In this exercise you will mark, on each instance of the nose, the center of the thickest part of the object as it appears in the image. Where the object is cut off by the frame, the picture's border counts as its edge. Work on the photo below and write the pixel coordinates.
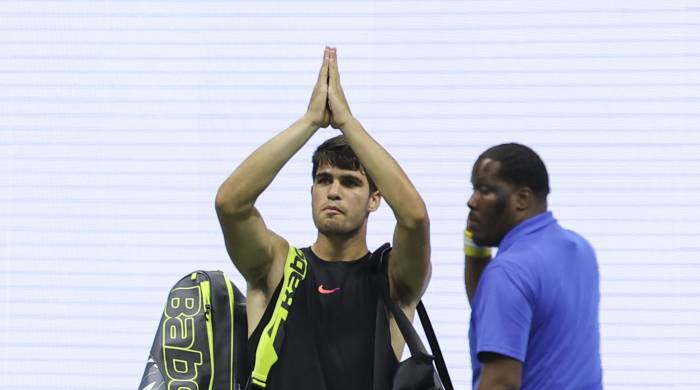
(333, 190)
(471, 202)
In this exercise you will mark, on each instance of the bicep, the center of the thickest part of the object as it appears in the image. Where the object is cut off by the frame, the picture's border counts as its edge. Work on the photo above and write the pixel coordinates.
(499, 372)
(409, 265)
(252, 247)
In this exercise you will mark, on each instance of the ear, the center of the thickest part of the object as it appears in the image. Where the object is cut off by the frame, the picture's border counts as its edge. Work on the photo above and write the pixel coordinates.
(524, 199)
(375, 199)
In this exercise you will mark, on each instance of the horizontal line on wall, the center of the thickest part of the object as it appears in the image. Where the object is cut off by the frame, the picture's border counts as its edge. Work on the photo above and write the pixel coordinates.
(371, 13)
(451, 41)
(519, 28)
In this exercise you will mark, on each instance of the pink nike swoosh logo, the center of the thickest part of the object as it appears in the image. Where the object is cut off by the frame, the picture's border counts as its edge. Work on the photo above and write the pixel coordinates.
(326, 291)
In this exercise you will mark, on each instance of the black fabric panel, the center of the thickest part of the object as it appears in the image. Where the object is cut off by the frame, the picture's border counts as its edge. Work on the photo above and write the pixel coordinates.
(241, 364)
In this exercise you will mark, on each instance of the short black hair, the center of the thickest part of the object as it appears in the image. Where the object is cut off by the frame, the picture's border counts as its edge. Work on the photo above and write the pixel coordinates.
(336, 152)
(520, 166)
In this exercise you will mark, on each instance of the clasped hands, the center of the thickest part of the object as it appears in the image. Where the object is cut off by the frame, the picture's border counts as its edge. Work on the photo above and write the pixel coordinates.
(328, 105)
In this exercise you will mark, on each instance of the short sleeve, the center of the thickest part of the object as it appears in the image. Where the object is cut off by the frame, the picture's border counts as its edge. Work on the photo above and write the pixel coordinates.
(502, 314)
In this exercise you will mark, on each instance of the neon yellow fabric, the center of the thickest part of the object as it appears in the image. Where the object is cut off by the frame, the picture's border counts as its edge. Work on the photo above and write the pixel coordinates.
(231, 303)
(206, 297)
(266, 356)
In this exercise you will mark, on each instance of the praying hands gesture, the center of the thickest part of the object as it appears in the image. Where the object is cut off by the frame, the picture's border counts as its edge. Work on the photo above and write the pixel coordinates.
(328, 104)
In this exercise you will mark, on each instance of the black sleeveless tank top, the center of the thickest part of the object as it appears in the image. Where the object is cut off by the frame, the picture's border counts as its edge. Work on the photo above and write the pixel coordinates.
(329, 339)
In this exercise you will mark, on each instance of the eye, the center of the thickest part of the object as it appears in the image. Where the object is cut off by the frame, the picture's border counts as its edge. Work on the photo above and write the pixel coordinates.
(323, 180)
(481, 189)
(351, 182)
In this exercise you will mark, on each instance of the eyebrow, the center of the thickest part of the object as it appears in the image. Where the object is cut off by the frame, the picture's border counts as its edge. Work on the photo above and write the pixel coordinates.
(341, 177)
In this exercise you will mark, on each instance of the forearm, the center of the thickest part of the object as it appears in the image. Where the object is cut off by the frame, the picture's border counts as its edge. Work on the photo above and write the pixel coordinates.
(241, 189)
(493, 385)
(392, 182)
(500, 372)
(473, 267)
(409, 267)
(476, 258)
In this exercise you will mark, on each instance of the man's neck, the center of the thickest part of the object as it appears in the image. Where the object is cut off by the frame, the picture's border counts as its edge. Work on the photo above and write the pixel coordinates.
(346, 248)
(529, 214)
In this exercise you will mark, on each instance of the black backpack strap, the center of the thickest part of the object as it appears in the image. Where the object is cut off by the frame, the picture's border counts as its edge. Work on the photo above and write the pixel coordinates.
(434, 346)
(415, 345)
(384, 360)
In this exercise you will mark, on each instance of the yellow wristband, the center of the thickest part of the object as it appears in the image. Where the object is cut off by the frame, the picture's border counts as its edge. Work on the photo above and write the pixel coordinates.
(473, 250)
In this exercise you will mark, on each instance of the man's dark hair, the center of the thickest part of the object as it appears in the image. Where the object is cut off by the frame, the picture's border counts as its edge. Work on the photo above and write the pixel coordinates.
(520, 166)
(336, 152)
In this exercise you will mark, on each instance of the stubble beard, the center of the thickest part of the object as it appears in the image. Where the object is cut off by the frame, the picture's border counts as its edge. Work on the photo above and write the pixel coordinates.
(504, 218)
(499, 219)
(338, 231)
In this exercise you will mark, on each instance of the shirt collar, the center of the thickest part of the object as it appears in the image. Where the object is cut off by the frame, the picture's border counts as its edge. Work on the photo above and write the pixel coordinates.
(526, 227)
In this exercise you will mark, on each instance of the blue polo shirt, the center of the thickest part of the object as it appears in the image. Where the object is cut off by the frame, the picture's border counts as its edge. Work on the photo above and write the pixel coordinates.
(537, 302)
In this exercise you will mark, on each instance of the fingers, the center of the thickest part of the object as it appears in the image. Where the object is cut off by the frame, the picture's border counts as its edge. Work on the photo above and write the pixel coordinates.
(323, 74)
(338, 105)
(334, 76)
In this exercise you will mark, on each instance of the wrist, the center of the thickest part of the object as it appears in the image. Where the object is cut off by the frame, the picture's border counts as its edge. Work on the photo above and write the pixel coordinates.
(345, 121)
(307, 121)
(473, 250)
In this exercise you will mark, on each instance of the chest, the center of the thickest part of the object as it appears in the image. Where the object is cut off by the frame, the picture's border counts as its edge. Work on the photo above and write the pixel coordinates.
(338, 294)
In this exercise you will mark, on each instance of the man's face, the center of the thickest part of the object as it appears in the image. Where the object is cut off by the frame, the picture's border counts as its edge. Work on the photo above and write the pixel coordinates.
(340, 200)
(491, 206)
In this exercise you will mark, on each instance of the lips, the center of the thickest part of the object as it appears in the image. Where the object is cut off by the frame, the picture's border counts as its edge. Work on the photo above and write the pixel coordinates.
(472, 221)
(333, 209)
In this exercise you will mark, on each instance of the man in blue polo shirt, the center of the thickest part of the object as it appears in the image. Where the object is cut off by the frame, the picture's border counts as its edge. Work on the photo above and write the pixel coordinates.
(534, 322)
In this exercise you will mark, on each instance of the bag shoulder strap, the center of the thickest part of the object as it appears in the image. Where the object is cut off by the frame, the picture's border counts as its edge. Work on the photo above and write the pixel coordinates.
(272, 337)
(434, 346)
(415, 345)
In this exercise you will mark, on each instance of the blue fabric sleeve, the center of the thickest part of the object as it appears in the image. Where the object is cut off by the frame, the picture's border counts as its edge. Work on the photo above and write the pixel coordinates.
(503, 314)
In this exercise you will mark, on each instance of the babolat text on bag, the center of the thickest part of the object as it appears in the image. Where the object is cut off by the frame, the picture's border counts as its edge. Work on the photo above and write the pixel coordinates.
(201, 339)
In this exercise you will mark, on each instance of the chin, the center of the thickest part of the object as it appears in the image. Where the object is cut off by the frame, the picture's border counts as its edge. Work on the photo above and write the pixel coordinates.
(480, 242)
(329, 227)
(484, 241)
(334, 229)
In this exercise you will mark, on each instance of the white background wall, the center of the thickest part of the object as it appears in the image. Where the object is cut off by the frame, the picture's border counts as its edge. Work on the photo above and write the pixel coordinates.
(119, 119)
